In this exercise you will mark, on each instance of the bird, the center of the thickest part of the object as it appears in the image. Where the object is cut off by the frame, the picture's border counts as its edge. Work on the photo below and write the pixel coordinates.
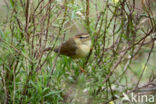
(75, 47)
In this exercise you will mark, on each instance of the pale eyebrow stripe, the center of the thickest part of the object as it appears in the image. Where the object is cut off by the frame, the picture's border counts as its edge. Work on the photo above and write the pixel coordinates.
(85, 36)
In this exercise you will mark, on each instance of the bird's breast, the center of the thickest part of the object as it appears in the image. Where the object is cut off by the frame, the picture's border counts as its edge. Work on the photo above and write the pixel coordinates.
(83, 49)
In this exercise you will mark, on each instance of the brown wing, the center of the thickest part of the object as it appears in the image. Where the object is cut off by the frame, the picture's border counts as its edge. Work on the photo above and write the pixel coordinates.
(68, 48)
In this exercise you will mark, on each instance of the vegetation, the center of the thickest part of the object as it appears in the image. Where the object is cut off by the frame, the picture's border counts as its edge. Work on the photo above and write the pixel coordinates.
(122, 59)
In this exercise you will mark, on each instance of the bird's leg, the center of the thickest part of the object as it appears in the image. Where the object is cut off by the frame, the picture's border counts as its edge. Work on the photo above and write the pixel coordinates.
(82, 70)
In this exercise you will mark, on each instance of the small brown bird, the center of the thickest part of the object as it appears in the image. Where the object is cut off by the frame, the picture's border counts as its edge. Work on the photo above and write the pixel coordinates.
(76, 47)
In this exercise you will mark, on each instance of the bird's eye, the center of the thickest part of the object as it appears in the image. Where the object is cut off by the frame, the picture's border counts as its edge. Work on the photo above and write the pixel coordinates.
(81, 37)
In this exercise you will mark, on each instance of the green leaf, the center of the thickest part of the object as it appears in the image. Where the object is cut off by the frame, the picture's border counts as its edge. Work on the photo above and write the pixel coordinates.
(53, 93)
(12, 3)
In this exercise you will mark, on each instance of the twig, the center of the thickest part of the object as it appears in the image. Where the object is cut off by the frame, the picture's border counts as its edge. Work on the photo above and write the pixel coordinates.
(145, 66)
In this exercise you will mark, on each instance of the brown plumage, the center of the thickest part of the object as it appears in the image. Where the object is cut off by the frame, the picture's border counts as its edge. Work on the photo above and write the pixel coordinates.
(68, 48)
